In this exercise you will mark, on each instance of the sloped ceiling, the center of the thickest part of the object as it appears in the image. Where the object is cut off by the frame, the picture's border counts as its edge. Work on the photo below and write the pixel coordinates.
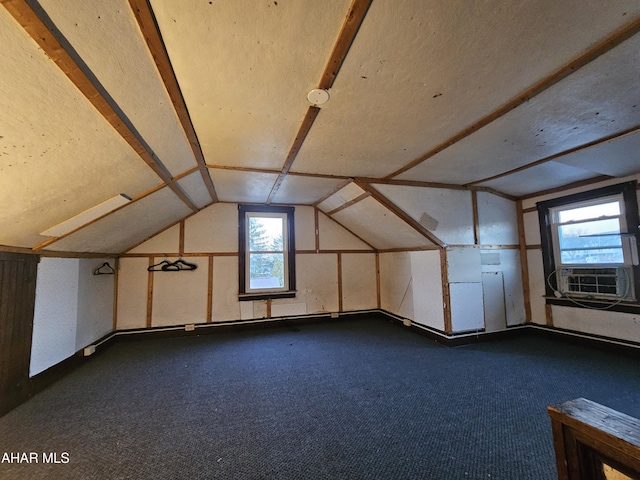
(182, 104)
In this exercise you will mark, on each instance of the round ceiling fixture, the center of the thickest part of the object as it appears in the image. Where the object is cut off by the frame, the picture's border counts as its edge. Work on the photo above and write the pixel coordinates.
(318, 96)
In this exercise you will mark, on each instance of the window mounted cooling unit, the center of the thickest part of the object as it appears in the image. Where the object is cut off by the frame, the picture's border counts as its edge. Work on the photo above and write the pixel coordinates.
(597, 282)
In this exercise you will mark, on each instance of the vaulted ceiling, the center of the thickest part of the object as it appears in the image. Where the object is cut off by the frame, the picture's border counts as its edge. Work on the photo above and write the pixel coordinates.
(178, 105)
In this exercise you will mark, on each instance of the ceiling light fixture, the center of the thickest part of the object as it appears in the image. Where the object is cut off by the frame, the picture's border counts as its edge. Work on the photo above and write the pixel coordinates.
(87, 216)
(318, 96)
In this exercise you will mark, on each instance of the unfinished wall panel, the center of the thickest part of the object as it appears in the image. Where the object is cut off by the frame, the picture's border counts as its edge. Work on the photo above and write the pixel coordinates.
(447, 213)
(358, 281)
(396, 284)
(427, 289)
(225, 290)
(497, 220)
(335, 237)
(132, 293)
(214, 229)
(305, 228)
(507, 264)
(493, 297)
(317, 282)
(531, 228)
(381, 228)
(618, 325)
(467, 307)
(128, 226)
(180, 297)
(537, 283)
(164, 242)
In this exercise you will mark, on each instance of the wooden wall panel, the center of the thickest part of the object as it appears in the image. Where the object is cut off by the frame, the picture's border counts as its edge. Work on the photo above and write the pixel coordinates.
(17, 300)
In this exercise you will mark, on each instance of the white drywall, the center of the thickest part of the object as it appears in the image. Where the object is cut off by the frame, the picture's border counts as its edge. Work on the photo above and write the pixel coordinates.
(73, 308)
(55, 314)
(95, 302)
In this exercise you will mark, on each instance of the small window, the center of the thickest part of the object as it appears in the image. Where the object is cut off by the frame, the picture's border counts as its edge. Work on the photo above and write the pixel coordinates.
(266, 252)
(590, 246)
(591, 233)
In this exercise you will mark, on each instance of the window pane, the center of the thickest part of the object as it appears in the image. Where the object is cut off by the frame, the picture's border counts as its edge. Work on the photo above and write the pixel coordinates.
(598, 233)
(591, 242)
(266, 270)
(599, 256)
(609, 209)
(265, 234)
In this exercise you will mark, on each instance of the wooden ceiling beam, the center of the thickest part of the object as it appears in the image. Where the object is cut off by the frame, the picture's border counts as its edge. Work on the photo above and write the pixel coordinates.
(355, 16)
(49, 241)
(555, 156)
(151, 33)
(596, 51)
(42, 30)
(303, 131)
(383, 200)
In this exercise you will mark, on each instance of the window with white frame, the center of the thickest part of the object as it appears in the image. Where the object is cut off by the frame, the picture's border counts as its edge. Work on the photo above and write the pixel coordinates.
(266, 252)
(589, 244)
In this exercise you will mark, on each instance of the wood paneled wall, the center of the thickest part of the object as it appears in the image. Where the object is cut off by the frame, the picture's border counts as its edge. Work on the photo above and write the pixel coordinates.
(17, 300)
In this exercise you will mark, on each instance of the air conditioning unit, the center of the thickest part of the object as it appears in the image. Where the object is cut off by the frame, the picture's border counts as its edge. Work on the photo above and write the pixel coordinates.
(598, 282)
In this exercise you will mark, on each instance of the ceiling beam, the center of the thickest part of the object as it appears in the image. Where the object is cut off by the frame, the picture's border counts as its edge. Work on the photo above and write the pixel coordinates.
(42, 30)
(400, 213)
(555, 156)
(49, 241)
(355, 16)
(303, 131)
(596, 51)
(564, 188)
(151, 33)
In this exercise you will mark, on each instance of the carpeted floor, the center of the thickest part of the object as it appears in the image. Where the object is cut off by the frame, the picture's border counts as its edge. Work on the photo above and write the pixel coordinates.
(347, 400)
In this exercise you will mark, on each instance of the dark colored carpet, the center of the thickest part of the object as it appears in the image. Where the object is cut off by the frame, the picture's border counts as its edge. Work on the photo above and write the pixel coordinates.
(349, 400)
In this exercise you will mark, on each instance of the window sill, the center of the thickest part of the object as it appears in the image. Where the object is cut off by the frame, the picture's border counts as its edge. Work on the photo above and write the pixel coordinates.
(602, 305)
(247, 297)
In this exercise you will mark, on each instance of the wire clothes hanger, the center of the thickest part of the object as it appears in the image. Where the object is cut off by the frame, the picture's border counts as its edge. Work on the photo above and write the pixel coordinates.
(104, 269)
(177, 266)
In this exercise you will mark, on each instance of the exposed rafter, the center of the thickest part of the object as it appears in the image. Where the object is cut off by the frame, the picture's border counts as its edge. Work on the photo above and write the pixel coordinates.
(355, 16)
(149, 27)
(400, 213)
(555, 156)
(596, 51)
(45, 34)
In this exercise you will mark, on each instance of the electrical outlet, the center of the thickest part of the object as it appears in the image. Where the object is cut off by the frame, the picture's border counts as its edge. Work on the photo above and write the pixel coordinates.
(335, 314)
(190, 327)
(89, 350)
